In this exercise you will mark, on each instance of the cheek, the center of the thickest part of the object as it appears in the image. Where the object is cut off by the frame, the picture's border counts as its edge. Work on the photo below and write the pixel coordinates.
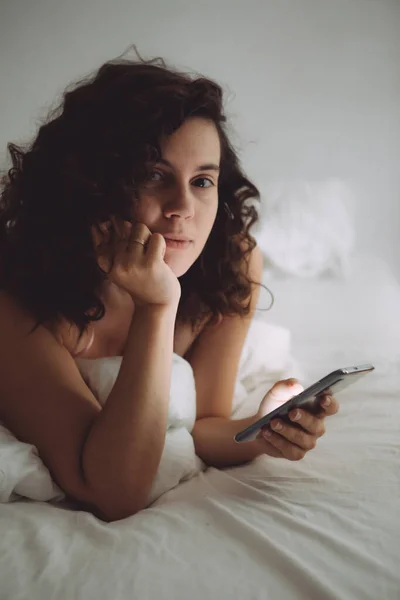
(206, 222)
(146, 210)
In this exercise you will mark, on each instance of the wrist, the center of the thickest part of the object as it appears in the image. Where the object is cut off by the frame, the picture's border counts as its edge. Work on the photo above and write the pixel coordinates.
(155, 311)
(150, 324)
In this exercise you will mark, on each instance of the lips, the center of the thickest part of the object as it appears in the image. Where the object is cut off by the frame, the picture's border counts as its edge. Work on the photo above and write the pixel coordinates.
(176, 241)
(176, 237)
(177, 244)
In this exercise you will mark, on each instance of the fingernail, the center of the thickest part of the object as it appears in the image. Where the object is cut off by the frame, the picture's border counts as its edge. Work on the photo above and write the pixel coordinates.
(277, 426)
(296, 416)
(267, 433)
(326, 401)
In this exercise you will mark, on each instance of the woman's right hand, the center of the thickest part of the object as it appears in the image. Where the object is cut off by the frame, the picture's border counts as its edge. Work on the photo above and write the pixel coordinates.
(139, 267)
(290, 441)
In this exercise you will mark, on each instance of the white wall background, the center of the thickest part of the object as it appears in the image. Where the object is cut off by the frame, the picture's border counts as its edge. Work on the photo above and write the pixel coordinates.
(313, 85)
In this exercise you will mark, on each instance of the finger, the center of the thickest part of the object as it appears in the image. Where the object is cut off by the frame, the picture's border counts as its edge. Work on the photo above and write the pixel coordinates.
(117, 226)
(309, 422)
(295, 435)
(139, 232)
(155, 248)
(126, 229)
(288, 450)
(97, 235)
(101, 234)
(139, 237)
(104, 262)
(330, 406)
(102, 248)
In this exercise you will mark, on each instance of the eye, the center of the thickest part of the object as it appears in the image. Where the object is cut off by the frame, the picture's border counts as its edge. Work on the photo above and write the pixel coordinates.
(155, 176)
(203, 182)
(154, 179)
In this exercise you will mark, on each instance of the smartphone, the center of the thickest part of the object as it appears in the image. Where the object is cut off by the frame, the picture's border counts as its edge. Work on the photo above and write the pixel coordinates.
(309, 399)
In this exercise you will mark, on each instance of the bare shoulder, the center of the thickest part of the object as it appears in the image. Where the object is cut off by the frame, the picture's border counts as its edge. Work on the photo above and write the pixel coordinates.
(43, 399)
(20, 340)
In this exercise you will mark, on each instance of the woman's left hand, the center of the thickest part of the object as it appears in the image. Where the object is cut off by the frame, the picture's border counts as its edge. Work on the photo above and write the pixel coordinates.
(291, 442)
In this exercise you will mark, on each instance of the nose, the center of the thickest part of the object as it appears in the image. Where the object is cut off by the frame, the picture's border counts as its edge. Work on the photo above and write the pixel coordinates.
(180, 203)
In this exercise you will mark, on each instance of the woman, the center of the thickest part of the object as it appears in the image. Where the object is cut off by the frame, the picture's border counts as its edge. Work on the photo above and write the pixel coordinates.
(124, 230)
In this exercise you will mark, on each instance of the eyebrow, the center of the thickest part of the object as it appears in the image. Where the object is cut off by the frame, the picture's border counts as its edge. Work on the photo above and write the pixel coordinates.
(205, 167)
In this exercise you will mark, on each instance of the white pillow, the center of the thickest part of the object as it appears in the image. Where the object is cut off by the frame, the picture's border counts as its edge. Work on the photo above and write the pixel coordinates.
(305, 228)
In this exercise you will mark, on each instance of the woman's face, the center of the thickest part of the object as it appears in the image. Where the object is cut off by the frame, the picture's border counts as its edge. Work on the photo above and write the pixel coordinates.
(180, 199)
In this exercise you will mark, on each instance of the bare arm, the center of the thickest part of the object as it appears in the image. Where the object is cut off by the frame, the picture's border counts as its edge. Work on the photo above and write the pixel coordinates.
(215, 360)
(107, 458)
(123, 449)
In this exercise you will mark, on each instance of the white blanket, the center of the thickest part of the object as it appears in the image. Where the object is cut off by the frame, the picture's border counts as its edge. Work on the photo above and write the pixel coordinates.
(265, 358)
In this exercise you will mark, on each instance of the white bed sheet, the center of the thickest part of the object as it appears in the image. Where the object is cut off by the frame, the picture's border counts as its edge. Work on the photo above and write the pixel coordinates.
(327, 527)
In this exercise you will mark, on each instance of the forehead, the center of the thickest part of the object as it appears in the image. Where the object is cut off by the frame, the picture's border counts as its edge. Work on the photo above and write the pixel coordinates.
(195, 142)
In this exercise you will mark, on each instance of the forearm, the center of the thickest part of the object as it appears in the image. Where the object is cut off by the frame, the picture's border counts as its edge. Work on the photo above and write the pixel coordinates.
(124, 446)
(214, 443)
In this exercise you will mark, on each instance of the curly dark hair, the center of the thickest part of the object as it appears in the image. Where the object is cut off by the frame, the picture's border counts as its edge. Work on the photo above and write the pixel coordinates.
(86, 164)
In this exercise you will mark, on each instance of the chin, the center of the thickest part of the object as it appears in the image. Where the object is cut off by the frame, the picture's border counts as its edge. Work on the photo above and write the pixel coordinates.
(179, 271)
(178, 267)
